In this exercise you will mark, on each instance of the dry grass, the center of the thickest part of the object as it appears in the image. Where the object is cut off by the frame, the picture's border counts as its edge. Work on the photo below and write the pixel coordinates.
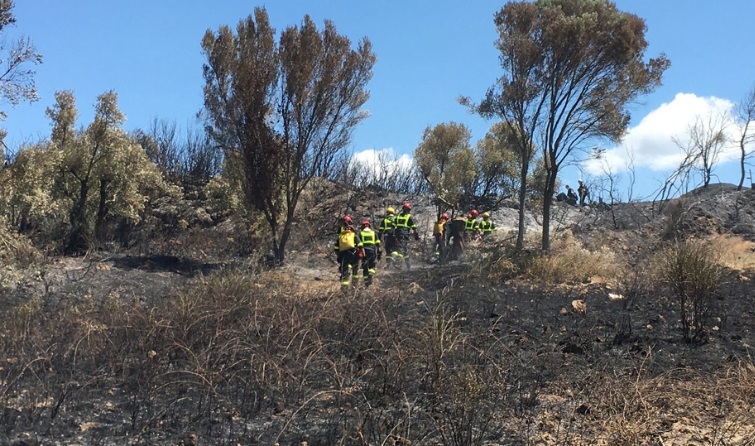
(734, 252)
(679, 407)
(281, 358)
(16, 254)
(569, 261)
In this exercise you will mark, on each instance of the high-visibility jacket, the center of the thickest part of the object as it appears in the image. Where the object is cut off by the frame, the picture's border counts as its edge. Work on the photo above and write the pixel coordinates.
(404, 223)
(387, 225)
(470, 224)
(486, 226)
(370, 241)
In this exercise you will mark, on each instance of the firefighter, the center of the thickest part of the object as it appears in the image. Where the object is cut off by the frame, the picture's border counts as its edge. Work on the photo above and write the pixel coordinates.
(454, 238)
(345, 221)
(387, 232)
(348, 248)
(583, 192)
(439, 232)
(471, 227)
(571, 196)
(486, 226)
(372, 251)
(405, 227)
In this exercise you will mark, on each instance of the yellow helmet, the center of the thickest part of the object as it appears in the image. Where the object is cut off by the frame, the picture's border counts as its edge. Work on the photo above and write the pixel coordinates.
(486, 215)
(390, 210)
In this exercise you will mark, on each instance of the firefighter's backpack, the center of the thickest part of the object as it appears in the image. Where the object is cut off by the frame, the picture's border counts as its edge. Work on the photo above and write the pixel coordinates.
(346, 241)
(438, 228)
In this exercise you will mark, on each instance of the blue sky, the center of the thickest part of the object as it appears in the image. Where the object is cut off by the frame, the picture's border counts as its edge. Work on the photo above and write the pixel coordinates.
(429, 52)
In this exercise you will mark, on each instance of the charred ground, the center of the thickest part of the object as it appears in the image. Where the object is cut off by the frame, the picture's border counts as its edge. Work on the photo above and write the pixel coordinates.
(187, 339)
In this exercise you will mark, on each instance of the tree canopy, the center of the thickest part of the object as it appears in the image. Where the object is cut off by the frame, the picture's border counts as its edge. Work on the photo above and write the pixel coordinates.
(101, 172)
(16, 80)
(571, 68)
(282, 111)
(446, 160)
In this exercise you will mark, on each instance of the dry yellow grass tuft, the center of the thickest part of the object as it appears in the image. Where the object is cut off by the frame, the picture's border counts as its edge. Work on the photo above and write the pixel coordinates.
(734, 251)
(569, 261)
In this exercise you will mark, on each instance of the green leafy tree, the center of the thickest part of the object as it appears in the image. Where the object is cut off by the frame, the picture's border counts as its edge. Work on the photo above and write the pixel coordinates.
(570, 70)
(497, 163)
(447, 161)
(103, 175)
(27, 184)
(282, 111)
(16, 80)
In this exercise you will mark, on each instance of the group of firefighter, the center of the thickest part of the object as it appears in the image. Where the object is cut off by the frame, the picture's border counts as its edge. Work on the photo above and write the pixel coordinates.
(365, 245)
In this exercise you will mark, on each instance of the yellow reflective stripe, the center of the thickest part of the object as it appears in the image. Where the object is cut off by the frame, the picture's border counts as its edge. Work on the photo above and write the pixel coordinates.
(388, 223)
(368, 237)
(402, 221)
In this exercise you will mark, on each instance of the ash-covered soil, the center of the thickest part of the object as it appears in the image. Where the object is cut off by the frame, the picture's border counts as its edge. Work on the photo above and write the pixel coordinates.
(560, 350)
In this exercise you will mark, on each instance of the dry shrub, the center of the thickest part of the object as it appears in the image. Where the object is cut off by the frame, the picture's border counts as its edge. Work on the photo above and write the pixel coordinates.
(465, 415)
(19, 321)
(692, 270)
(501, 261)
(16, 253)
(438, 336)
(569, 261)
(675, 212)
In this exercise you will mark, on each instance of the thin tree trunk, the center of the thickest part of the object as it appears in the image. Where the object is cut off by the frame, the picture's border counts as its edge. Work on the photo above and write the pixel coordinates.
(522, 202)
(550, 183)
(77, 240)
(102, 211)
(741, 170)
(280, 253)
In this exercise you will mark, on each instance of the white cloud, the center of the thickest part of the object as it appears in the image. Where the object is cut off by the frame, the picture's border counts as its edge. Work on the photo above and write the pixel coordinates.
(650, 144)
(383, 160)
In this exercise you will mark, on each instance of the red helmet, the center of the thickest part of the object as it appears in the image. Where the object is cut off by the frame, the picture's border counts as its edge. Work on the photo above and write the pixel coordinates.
(406, 206)
(347, 220)
(444, 216)
(365, 222)
(474, 213)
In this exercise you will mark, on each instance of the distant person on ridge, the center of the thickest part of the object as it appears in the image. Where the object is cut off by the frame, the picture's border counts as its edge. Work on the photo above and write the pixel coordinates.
(372, 252)
(571, 197)
(348, 248)
(583, 192)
